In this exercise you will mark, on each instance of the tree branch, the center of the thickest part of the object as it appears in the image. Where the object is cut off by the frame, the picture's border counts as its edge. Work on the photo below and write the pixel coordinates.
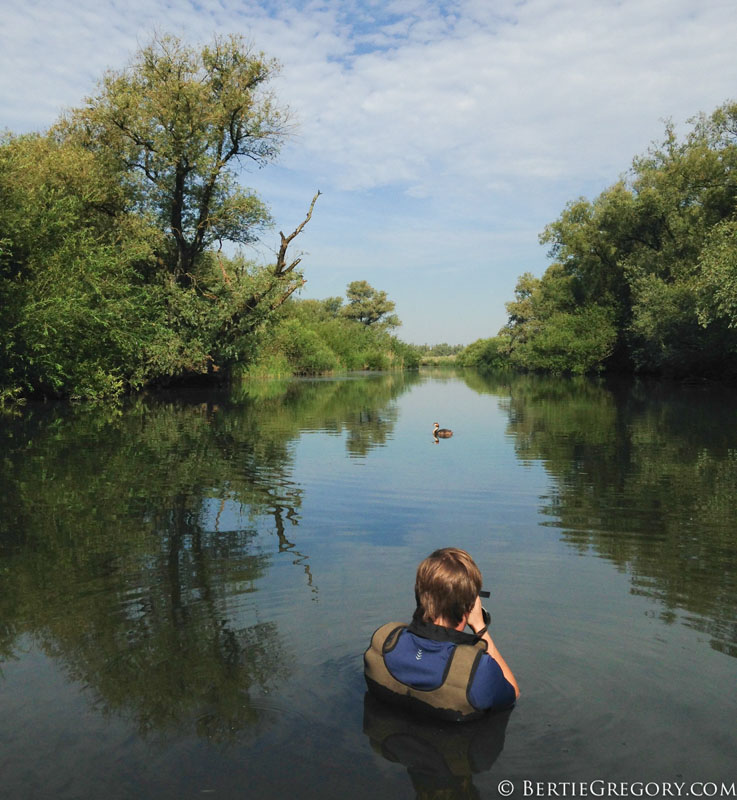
(281, 267)
(288, 293)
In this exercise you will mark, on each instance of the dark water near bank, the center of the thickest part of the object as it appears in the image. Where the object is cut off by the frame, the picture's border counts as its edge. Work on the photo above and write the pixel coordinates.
(187, 585)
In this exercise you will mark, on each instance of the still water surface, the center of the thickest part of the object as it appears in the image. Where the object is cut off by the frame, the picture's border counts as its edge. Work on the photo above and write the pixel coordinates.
(187, 585)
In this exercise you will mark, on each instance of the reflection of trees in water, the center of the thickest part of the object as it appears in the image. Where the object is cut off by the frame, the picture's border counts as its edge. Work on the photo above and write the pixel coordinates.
(644, 474)
(170, 654)
(359, 408)
(369, 429)
(111, 568)
(285, 546)
(111, 560)
(443, 374)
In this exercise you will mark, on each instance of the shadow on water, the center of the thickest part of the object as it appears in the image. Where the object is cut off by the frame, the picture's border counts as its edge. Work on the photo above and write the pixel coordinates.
(643, 474)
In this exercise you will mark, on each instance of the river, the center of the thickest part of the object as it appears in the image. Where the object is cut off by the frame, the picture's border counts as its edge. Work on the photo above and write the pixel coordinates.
(188, 582)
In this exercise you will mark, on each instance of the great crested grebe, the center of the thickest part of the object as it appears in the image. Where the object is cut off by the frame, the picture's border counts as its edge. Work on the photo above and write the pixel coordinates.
(443, 433)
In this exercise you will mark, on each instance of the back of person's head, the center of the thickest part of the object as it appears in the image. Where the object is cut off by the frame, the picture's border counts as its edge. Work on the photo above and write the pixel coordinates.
(447, 585)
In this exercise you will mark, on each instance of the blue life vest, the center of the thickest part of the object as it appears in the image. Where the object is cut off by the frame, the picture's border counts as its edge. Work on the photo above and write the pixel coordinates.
(432, 669)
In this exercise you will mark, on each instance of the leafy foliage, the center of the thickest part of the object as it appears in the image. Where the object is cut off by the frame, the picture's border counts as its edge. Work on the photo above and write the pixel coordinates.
(644, 275)
(175, 123)
(369, 306)
(317, 336)
(717, 279)
(486, 354)
(109, 279)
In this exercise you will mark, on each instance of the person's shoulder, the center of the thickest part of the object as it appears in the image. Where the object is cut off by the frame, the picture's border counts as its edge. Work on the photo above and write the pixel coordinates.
(490, 689)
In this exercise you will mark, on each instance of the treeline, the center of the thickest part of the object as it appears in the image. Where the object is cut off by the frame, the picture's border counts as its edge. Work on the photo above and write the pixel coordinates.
(440, 350)
(112, 274)
(644, 278)
(309, 337)
(439, 354)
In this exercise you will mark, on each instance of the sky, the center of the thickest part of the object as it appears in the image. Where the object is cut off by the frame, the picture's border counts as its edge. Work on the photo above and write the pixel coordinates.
(443, 136)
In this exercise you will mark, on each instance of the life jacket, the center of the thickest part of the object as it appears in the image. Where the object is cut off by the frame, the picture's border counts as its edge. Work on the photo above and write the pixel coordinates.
(447, 701)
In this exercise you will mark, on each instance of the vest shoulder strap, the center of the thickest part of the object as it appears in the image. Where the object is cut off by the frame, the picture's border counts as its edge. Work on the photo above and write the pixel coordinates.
(462, 665)
(385, 637)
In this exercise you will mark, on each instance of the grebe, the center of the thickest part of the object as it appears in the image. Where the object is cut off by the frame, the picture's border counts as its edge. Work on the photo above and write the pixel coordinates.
(443, 433)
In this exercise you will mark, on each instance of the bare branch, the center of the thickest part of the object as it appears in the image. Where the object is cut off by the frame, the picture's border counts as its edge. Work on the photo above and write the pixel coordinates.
(288, 293)
(281, 259)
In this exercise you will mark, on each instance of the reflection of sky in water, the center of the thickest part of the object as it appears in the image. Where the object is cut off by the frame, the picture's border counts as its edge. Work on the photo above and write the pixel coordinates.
(607, 677)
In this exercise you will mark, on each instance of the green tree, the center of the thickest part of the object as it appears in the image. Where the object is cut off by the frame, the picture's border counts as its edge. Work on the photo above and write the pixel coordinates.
(317, 336)
(522, 311)
(575, 342)
(369, 306)
(486, 354)
(718, 276)
(109, 275)
(76, 314)
(176, 122)
(651, 259)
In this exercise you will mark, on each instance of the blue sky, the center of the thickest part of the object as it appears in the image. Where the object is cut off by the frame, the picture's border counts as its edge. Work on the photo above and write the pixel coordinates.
(443, 135)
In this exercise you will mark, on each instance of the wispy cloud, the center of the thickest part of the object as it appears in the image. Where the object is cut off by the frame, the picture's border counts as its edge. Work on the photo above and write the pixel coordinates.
(469, 112)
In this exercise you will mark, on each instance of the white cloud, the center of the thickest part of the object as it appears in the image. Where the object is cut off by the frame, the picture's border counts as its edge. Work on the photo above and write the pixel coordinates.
(490, 112)
(490, 92)
(562, 89)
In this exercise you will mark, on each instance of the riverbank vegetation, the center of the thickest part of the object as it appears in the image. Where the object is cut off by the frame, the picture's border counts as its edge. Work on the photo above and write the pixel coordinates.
(439, 355)
(112, 226)
(644, 277)
(309, 337)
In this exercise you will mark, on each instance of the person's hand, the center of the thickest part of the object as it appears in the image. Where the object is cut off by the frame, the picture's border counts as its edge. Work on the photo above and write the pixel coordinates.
(476, 616)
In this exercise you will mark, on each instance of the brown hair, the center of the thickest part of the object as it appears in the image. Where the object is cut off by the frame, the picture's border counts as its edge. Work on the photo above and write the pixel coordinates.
(447, 585)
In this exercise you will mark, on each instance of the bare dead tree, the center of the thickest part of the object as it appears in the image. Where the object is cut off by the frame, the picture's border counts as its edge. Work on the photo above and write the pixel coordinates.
(281, 269)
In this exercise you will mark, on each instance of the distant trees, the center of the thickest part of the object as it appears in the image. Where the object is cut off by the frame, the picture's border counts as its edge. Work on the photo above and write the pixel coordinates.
(322, 336)
(644, 276)
(369, 306)
(440, 350)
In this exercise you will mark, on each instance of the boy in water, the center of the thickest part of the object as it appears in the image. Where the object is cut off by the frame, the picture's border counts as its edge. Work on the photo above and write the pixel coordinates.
(433, 664)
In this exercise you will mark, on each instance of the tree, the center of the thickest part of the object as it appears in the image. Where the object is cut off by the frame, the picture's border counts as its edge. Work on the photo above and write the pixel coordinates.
(110, 278)
(548, 331)
(650, 260)
(486, 354)
(522, 311)
(74, 309)
(176, 123)
(577, 342)
(369, 306)
(718, 278)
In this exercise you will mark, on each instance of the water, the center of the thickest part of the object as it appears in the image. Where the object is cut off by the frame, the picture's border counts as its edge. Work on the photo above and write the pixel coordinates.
(187, 585)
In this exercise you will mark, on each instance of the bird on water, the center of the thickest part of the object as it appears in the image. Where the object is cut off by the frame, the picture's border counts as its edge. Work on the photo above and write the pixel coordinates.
(443, 433)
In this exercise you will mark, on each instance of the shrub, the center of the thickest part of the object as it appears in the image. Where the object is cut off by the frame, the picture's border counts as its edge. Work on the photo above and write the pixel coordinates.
(490, 353)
